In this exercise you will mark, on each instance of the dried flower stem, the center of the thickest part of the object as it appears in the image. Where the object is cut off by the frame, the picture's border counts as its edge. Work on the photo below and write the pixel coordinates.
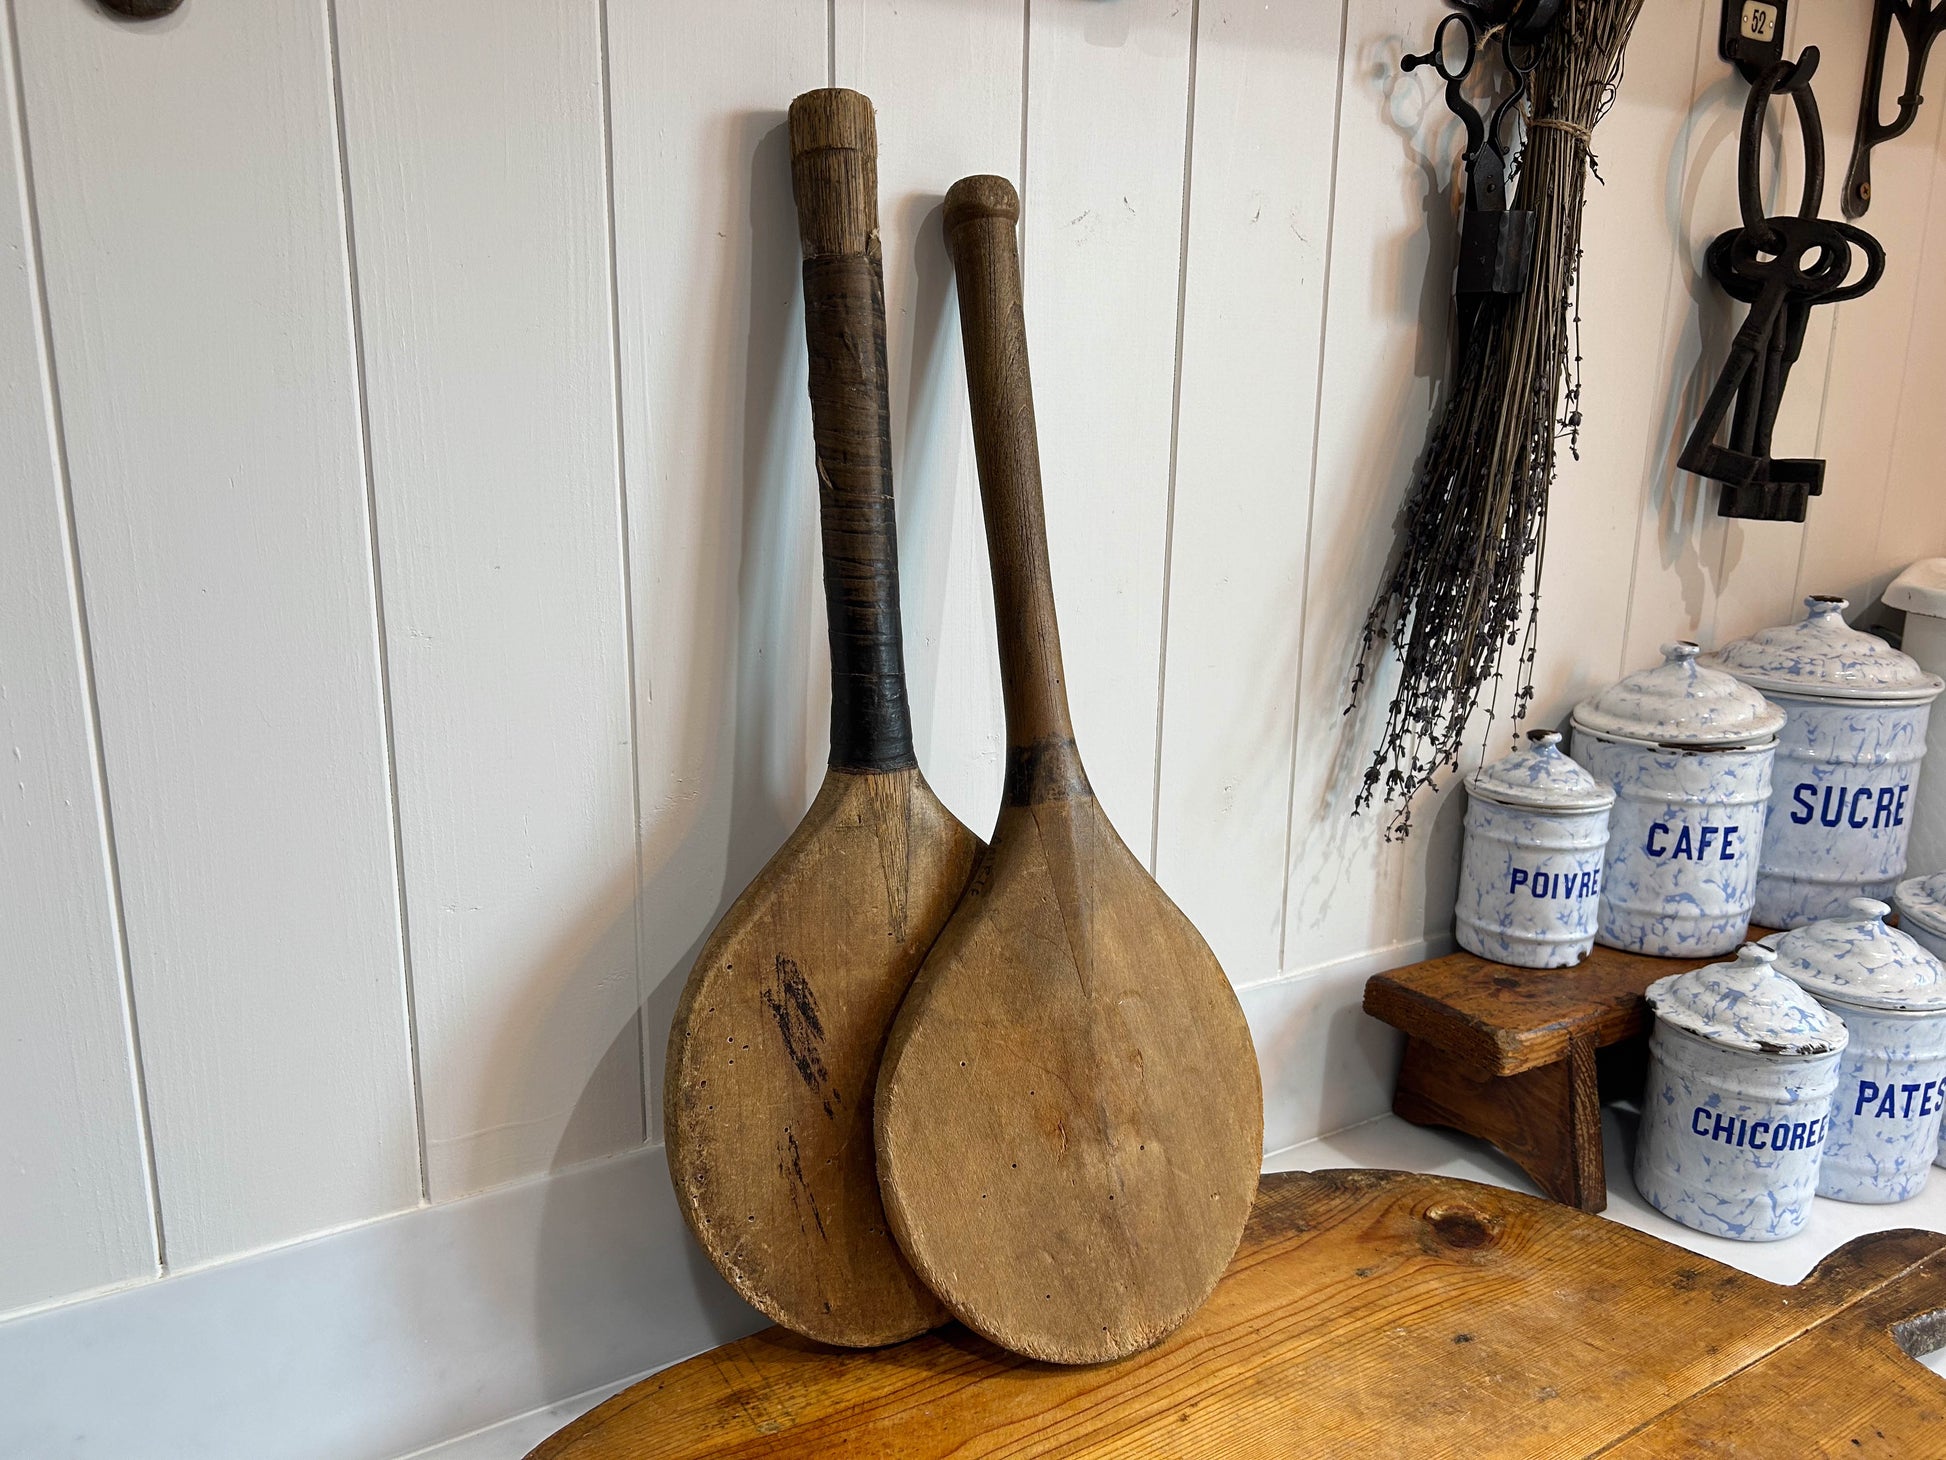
(1457, 596)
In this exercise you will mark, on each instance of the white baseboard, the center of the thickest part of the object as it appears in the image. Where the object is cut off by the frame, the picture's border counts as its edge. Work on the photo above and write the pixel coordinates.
(395, 1337)
(1326, 1063)
(512, 1439)
(380, 1340)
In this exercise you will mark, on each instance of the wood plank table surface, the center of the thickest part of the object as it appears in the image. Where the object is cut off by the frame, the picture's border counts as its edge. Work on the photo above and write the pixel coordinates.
(1374, 1313)
(1511, 1054)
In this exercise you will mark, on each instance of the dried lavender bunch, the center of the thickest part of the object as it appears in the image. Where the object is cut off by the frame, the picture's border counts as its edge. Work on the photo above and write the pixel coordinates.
(1457, 596)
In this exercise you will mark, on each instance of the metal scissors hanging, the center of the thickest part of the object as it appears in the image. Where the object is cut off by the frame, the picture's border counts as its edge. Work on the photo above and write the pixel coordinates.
(1496, 243)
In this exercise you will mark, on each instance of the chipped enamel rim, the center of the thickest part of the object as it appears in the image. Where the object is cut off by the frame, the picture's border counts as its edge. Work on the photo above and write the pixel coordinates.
(1746, 1004)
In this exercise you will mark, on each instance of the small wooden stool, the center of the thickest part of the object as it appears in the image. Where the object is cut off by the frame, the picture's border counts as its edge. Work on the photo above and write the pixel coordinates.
(1509, 1054)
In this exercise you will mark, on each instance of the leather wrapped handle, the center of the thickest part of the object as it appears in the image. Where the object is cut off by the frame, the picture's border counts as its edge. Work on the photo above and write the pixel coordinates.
(980, 218)
(834, 175)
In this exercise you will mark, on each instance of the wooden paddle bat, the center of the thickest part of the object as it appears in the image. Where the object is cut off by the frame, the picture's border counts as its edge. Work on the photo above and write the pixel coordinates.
(776, 1040)
(1069, 1118)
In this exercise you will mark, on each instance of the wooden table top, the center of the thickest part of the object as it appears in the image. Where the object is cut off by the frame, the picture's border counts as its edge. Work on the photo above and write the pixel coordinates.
(1373, 1313)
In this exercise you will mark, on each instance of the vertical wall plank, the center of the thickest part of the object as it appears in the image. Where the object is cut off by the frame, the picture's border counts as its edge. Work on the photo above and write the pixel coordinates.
(74, 1197)
(1260, 201)
(1757, 582)
(1913, 522)
(1385, 348)
(475, 152)
(195, 261)
(1636, 247)
(1102, 237)
(721, 491)
(1680, 541)
(937, 124)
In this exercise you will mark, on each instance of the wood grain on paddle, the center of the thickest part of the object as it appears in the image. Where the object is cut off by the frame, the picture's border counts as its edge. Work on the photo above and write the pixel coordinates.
(1069, 1114)
(775, 1046)
(1374, 1313)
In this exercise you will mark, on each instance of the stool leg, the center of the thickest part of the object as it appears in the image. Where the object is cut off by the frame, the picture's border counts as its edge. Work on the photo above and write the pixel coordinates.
(1547, 1121)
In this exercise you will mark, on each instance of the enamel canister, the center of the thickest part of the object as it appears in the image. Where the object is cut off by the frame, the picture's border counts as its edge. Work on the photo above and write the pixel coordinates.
(1530, 877)
(1921, 902)
(1742, 1064)
(1891, 994)
(1843, 790)
(1687, 750)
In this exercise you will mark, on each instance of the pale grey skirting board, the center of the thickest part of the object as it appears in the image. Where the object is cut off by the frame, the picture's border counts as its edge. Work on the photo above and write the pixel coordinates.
(395, 1335)
(378, 1340)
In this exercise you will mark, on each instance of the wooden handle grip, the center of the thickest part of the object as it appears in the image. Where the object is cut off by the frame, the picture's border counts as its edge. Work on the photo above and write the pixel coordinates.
(980, 216)
(834, 173)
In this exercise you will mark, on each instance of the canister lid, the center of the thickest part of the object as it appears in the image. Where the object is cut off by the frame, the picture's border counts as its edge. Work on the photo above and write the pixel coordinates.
(1747, 1005)
(1540, 777)
(1857, 959)
(1681, 703)
(1826, 657)
(1922, 900)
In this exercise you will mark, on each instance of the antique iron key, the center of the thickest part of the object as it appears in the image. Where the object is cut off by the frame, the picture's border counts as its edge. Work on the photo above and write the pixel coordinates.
(1780, 267)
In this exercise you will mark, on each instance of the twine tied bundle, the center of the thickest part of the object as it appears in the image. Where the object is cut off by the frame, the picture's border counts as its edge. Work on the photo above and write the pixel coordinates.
(1459, 594)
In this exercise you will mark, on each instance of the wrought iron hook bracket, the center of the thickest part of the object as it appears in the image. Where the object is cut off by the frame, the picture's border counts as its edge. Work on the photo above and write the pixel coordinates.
(1920, 23)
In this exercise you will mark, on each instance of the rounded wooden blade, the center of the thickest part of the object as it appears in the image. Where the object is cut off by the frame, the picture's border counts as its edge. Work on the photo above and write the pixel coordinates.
(1069, 1115)
(774, 1052)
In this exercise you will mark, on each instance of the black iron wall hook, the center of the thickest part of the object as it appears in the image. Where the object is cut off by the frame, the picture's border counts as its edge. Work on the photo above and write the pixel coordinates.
(1920, 24)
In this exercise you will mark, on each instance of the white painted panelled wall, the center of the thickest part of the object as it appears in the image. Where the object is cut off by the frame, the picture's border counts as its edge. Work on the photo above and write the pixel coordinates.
(411, 638)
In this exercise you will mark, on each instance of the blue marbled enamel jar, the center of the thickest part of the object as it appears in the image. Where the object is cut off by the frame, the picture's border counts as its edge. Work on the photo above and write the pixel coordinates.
(1742, 1065)
(1921, 902)
(1843, 792)
(1530, 876)
(1687, 751)
(1891, 994)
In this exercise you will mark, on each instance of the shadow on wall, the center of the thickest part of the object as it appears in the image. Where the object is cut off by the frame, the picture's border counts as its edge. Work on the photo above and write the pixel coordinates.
(743, 737)
(918, 373)
(751, 749)
(697, 855)
(1415, 286)
(1683, 504)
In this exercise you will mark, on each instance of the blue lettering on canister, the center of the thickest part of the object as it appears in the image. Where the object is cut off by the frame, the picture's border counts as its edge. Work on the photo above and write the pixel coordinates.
(1859, 807)
(1685, 843)
(1762, 1135)
(1899, 1102)
(1569, 886)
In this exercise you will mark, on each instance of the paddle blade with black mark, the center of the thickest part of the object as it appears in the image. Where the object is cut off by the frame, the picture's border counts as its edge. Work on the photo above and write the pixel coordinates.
(775, 1046)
